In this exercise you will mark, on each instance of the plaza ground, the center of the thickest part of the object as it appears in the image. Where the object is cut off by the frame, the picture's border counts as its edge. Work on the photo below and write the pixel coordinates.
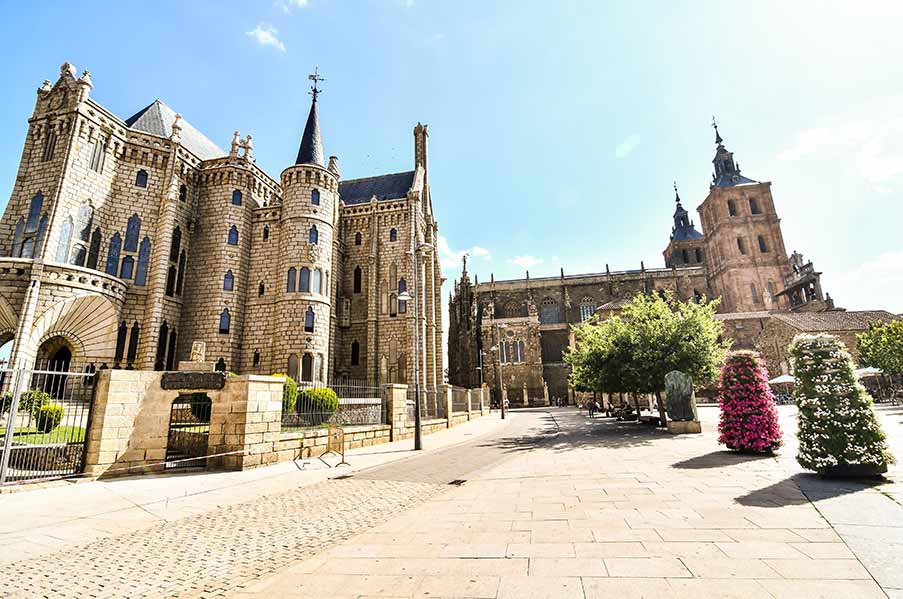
(547, 503)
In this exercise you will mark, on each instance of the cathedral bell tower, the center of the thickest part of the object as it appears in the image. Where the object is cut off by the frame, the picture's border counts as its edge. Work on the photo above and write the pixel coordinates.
(309, 220)
(744, 247)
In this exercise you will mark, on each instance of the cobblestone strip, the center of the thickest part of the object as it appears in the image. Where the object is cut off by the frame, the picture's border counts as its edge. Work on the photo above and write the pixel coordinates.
(219, 551)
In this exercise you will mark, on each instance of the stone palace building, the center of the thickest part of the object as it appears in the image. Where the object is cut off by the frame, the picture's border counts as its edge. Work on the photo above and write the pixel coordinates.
(515, 331)
(125, 240)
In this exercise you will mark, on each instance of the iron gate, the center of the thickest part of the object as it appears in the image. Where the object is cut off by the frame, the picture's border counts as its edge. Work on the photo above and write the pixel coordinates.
(44, 418)
(189, 430)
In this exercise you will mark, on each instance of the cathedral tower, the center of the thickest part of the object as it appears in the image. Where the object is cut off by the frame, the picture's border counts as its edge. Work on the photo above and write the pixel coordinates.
(744, 247)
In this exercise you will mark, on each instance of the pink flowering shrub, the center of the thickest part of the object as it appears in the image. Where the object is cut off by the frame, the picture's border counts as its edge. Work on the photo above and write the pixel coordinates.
(749, 420)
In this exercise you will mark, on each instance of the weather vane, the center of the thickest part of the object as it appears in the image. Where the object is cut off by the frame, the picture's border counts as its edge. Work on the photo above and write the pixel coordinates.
(315, 77)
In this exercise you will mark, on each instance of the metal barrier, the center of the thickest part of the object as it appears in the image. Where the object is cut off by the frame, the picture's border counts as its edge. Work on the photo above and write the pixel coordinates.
(340, 402)
(432, 404)
(189, 430)
(44, 417)
(460, 399)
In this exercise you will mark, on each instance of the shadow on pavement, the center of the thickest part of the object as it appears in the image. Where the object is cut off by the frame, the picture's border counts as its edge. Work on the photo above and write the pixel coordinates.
(718, 459)
(802, 488)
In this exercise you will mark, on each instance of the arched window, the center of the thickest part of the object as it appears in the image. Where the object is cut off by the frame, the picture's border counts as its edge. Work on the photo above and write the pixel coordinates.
(402, 285)
(358, 276)
(755, 294)
(34, 213)
(698, 254)
(224, 321)
(133, 344)
(731, 208)
(84, 222)
(175, 245)
(233, 235)
(181, 277)
(236, 197)
(587, 308)
(183, 193)
(763, 247)
(304, 280)
(261, 289)
(290, 280)
(307, 368)
(313, 236)
(132, 233)
(315, 197)
(141, 178)
(256, 360)
(229, 281)
(121, 337)
(293, 366)
(741, 246)
(548, 311)
(112, 254)
(128, 268)
(316, 281)
(143, 262)
(393, 305)
(754, 206)
(79, 255)
(355, 353)
(358, 238)
(49, 144)
(520, 351)
(171, 352)
(94, 249)
(266, 232)
(309, 320)
(393, 234)
(17, 238)
(220, 365)
(98, 153)
(171, 274)
(162, 338)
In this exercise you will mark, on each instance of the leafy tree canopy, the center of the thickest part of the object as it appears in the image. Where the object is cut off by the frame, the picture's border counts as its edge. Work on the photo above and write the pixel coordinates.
(882, 347)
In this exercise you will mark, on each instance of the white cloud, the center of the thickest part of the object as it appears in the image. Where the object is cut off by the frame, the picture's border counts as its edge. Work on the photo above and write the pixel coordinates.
(526, 261)
(627, 146)
(876, 284)
(868, 140)
(266, 35)
(288, 6)
(450, 259)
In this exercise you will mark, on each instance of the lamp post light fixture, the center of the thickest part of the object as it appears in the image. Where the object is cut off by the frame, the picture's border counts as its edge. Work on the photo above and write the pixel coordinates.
(405, 296)
(498, 328)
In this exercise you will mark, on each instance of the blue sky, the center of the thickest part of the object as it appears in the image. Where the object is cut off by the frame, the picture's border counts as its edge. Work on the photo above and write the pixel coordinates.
(557, 128)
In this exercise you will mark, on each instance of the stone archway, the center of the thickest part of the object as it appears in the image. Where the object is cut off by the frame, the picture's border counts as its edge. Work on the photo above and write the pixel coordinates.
(88, 323)
(8, 324)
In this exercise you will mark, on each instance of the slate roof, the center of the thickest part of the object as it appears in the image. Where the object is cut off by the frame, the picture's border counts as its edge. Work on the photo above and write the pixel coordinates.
(731, 179)
(157, 119)
(385, 187)
(311, 150)
(834, 320)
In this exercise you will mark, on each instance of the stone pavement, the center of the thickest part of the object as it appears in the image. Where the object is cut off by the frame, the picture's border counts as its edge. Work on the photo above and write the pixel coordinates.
(599, 509)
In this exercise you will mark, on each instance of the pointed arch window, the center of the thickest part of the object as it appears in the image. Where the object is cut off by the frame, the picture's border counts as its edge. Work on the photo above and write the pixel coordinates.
(34, 213)
(171, 280)
(112, 253)
(763, 247)
(171, 351)
(183, 193)
(229, 281)
(84, 222)
(232, 239)
(132, 233)
(181, 276)
(393, 305)
(225, 320)
(549, 311)
(121, 338)
(358, 238)
(176, 244)
(256, 360)
(266, 232)
(162, 339)
(755, 294)
(79, 255)
(316, 281)
(98, 154)
(587, 308)
(309, 320)
(307, 367)
(293, 366)
(141, 178)
(220, 365)
(94, 250)
(315, 197)
(355, 353)
(393, 234)
(133, 344)
(143, 262)
(290, 280)
(128, 268)
(17, 239)
(304, 280)
(261, 289)
(313, 236)
(49, 145)
(358, 279)
(402, 304)
(236, 197)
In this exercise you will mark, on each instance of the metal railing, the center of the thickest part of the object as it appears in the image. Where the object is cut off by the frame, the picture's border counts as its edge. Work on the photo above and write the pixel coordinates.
(44, 417)
(459, 399)
(432, 404)
(341, 402)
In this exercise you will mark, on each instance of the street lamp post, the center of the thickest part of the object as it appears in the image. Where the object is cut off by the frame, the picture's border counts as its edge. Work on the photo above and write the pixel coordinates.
(498, 328)
(406, 297)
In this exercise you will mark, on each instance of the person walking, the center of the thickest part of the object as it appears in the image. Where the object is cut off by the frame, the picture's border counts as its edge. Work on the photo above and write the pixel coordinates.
(592, 408)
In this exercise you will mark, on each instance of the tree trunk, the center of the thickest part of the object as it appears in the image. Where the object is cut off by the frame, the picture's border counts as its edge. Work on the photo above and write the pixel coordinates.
(661, 408)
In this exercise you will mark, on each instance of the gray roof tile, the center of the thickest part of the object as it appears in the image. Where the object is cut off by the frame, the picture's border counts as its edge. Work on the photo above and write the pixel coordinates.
(157, 119)
(385, 187)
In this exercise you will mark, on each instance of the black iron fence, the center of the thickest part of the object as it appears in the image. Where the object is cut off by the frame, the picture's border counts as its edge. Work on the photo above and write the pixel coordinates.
(189, 431)
(44, 417)
(460, 398)
(341, 401)
(432, 403)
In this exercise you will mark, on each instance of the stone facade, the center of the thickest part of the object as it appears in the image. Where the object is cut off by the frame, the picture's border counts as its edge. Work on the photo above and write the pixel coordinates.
(127, 240)
(738, 257)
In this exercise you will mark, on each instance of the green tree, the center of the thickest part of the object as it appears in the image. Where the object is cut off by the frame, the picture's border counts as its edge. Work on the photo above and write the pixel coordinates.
(882, 347)
(653, 335)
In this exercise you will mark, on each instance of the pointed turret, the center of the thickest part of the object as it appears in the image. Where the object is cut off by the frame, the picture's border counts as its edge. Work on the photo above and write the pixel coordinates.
(311, 150)
(727, 172)
(683, 227)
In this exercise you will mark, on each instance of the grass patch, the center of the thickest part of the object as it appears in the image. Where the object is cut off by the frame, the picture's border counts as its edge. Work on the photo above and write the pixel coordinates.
(61, 434)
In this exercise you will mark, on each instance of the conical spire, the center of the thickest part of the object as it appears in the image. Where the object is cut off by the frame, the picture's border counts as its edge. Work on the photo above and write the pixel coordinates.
(718, 140)
(676, 195)
(311, 150)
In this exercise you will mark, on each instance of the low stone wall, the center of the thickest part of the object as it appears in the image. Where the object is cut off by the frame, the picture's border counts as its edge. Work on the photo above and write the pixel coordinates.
(311, 443)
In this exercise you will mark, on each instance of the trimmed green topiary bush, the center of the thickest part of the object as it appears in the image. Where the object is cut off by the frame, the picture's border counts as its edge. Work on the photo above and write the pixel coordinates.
(48, 417)
(321, 404)
(838, 431)
(289, 393)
